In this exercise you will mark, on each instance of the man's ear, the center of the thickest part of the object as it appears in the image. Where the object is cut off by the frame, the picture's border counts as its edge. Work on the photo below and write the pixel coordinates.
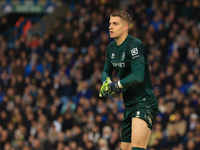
(126, 27)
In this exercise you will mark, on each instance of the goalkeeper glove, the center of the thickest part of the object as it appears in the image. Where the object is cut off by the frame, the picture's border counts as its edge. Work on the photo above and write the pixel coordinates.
(109, 88)
(113, 87)
(113, 94)
(103, 91)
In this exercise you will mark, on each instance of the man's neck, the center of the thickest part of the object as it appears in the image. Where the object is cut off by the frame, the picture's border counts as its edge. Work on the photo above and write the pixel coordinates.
(121, 39)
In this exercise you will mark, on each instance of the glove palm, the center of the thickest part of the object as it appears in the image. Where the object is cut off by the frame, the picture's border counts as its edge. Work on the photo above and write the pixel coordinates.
(106, 89)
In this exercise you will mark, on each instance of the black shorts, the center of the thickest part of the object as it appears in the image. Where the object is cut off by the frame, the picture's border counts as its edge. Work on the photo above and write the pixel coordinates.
(146, 114)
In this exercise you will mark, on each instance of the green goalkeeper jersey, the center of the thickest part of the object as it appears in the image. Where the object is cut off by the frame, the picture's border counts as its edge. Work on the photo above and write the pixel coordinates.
(131, 64)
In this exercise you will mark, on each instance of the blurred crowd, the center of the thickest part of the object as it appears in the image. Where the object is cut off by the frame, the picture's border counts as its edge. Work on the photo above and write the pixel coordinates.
(49, 85)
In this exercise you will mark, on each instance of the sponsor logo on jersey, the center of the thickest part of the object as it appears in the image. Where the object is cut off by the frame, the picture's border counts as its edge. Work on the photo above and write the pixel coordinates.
(134, 51)
(136, 56)
(118, 64)
(113, 56)
(123, 56)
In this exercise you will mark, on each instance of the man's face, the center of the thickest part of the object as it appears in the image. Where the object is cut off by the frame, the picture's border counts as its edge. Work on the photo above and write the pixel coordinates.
(117, 27)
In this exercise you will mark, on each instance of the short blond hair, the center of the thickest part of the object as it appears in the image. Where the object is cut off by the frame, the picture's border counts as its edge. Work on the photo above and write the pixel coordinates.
(123, 15)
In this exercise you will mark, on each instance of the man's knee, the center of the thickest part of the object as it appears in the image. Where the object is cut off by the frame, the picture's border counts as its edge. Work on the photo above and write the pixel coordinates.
(125, 146)
(139, 144)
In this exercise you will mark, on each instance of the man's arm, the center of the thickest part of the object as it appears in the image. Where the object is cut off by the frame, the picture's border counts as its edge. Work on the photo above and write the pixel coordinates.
(108, 69)
(136, 77)
(106, 76)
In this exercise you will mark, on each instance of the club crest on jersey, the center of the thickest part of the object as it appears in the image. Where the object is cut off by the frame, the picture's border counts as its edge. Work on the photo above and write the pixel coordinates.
(134, 51)
(123, 56)
(113, 56)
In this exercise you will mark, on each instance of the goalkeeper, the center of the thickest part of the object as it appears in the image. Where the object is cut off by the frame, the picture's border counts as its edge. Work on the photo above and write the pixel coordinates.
(128, 57)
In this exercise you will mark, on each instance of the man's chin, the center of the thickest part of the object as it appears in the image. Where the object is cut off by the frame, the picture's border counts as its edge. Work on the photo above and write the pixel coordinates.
(112, 36)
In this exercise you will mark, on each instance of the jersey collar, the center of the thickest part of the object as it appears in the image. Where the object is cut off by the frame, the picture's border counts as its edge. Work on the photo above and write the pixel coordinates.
(123, 43)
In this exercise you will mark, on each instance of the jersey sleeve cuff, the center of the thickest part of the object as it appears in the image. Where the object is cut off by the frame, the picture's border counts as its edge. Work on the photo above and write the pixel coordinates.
(119, 84)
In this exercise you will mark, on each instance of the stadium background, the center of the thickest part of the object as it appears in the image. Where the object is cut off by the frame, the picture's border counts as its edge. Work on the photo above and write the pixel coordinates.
(51, 61)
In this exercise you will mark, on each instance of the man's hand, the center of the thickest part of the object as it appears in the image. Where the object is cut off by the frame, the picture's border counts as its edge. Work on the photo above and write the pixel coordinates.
(114, 94)
(112, 87)
(105, 89)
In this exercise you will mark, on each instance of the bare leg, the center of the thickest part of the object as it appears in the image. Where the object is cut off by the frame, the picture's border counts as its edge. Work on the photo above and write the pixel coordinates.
(140, 133)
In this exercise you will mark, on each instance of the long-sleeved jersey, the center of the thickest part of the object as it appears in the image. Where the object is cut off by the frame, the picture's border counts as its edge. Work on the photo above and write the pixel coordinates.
(131, 64)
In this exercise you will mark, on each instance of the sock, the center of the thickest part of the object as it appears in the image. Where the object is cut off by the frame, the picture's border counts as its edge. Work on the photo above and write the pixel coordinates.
(137, 148)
